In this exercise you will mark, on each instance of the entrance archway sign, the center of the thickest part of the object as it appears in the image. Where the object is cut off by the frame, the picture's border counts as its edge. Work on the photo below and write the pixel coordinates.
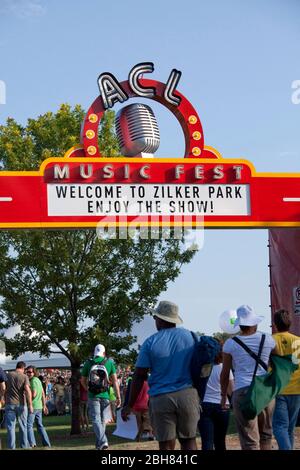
(84, 189)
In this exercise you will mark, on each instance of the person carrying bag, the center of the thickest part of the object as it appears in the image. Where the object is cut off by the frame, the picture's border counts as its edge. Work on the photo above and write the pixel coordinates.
(287, 403)
(264, 388)
(253, 433)
(254, 387)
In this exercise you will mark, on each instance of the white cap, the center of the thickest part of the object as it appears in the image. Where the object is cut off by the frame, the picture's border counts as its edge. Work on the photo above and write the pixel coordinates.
(99, 350)
(247, 317)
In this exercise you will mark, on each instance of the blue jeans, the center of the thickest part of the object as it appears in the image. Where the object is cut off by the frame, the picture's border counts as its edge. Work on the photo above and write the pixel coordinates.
(12, 412)
(98, 408)
(36, 416)
(284, 420)
(213, 426)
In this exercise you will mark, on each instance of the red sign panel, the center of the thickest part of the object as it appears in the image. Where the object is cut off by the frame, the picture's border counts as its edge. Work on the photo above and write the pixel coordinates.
(83, 189)
(72, 192)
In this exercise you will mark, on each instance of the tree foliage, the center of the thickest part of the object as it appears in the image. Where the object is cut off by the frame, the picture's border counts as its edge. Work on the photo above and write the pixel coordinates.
(72, 290)
(108, 143)
(50, 135)
(69, 289)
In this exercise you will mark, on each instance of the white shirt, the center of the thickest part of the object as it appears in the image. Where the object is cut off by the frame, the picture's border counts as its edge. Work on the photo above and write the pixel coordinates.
(243, 364)
(213, 387)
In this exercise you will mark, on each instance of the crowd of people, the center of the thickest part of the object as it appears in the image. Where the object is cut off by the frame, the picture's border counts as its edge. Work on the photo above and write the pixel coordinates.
(160, 392)
(27, 394)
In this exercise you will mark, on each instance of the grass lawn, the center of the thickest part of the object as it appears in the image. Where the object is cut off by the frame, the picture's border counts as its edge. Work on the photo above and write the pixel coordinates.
(58, 429)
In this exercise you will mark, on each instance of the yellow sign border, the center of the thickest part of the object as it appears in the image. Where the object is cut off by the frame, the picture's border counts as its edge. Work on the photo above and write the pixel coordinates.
(218, 161)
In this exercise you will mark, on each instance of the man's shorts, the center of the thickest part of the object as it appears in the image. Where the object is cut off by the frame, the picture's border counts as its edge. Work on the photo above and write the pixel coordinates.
(175, 414)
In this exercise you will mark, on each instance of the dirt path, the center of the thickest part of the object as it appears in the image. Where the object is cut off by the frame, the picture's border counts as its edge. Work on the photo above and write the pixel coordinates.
(231, 440)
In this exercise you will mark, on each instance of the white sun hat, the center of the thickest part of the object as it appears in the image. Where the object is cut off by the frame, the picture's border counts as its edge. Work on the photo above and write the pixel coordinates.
(247, 317)
(167, 311)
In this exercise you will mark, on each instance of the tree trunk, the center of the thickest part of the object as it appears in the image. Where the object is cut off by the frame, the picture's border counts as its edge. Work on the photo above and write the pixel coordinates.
(75, 377)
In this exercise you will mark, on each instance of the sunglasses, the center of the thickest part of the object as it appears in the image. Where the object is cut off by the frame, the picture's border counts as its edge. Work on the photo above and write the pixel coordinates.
(29, 372)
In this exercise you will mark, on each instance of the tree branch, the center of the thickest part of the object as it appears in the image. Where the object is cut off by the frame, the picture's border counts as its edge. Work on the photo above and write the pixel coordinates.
(63, 350)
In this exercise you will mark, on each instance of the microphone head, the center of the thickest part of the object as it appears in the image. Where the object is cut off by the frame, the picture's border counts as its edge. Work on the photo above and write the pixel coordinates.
(137, 131)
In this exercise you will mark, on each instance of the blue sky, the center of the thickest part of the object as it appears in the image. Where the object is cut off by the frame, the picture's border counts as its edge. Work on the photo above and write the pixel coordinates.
(238, 61)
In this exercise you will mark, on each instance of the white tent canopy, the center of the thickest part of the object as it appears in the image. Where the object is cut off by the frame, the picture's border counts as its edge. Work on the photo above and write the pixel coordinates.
(142, 330)
(38, 362)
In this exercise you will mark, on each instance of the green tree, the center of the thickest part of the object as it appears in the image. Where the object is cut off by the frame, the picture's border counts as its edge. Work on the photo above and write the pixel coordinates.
(69, 290)
(221, 336)
(108, 143)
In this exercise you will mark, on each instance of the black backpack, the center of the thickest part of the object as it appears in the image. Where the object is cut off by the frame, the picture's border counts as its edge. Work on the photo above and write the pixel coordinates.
(98, 381)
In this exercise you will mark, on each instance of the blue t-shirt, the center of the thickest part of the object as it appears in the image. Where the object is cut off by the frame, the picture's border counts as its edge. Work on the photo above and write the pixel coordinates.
(168, 355)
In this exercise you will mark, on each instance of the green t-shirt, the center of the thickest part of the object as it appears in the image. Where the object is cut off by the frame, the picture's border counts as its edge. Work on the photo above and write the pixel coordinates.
(36, 385)
(110, 367)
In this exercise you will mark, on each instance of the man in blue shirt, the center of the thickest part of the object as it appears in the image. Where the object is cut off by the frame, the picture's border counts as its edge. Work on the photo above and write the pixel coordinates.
(174, 403)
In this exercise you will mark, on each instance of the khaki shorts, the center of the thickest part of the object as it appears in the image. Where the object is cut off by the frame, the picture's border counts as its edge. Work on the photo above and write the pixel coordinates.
(175, 414)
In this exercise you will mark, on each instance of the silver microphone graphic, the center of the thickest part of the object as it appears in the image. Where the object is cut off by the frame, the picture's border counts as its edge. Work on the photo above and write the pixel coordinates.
(137, 131)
